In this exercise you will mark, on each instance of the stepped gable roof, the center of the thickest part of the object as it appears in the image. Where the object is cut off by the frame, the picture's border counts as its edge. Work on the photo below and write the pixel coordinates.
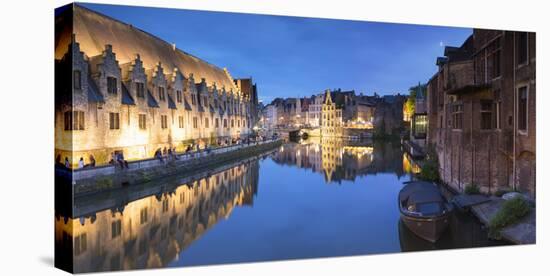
(338, 97)
(126, 97)
(94, 30)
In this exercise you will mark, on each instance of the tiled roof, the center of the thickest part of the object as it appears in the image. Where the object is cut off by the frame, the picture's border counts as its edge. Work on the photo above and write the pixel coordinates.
(186, 105)
(94, 30)
(151, 102)
(93, 92)
(126, 97)
(171, 103)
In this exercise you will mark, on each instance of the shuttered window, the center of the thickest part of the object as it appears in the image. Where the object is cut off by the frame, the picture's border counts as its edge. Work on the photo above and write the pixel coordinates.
(114, 120)
(74, 120)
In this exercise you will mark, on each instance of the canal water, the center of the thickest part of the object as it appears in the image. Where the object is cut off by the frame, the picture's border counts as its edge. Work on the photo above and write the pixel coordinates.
(303, 200)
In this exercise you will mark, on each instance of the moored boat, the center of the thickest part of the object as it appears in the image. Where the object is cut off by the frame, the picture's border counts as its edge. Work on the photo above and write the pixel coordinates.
(424, 210)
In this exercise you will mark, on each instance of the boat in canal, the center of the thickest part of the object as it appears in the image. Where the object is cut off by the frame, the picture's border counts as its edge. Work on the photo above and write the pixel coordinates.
(424, 210)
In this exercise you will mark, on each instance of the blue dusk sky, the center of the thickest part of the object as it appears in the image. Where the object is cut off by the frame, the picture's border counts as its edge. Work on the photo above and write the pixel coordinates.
(293, 56)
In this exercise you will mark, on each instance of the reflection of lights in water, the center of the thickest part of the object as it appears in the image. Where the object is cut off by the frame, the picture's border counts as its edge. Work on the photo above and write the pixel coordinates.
(360, 124)
(359, 151)
(175, 219)
(410, 166)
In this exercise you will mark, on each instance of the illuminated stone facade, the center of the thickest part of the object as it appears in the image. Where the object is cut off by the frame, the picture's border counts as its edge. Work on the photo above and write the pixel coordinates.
(138, 94)
(357, 111)
(331, 118)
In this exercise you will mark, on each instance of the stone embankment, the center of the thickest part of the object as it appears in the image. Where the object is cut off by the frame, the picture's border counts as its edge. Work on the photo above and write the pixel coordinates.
(109, 177)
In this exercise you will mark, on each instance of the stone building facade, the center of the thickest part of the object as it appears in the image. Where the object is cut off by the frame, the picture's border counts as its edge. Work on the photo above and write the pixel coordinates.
(269, 116)
(120, 89)
(388, 115)
(357, 111)
(419, 120)
(331, 118)
(314, 110)
(481, 112)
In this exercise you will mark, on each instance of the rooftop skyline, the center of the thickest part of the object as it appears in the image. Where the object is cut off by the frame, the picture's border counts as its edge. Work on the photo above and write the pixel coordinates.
(294, 56)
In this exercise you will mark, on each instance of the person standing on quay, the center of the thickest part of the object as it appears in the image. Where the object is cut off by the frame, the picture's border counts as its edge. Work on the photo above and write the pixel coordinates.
(67, 163)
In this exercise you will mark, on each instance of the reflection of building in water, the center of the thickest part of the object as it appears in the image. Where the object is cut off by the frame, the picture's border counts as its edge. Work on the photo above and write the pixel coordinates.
(339, 159)
(151, 232)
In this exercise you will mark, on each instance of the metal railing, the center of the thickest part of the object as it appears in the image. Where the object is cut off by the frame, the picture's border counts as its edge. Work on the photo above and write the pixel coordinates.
(177, 158)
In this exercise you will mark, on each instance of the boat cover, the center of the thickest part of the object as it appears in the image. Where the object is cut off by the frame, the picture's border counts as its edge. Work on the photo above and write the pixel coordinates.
(420, 192)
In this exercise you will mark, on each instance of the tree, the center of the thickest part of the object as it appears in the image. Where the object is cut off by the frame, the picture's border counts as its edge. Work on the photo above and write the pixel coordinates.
(408, 108)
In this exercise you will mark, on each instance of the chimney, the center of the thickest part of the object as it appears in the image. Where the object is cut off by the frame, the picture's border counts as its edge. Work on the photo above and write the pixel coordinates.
(174, 46)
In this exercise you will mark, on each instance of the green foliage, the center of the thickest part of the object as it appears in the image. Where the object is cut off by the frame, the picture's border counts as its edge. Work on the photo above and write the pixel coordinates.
(429, 171)
(511, 212)
(471, 189)
(430, 168)
(409, 104)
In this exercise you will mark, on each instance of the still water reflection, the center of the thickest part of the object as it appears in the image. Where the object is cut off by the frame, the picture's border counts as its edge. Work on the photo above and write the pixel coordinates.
(304, 200)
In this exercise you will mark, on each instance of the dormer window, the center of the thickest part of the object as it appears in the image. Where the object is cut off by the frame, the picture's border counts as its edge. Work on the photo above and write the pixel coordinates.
(140, 90)
(161, 93)
(111, 85)
(178, 96)
(77, 79)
